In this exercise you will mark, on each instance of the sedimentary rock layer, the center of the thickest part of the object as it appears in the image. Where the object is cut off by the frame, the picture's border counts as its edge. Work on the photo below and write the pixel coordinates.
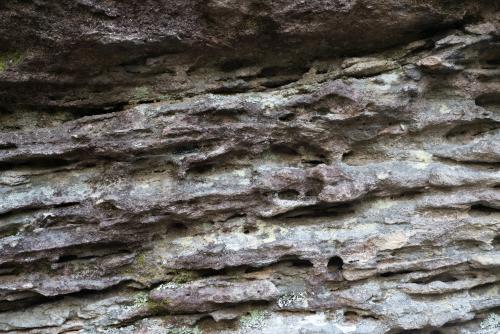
(249, 166)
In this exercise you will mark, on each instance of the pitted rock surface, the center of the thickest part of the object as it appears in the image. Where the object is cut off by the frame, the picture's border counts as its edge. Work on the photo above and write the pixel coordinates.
(188, 167)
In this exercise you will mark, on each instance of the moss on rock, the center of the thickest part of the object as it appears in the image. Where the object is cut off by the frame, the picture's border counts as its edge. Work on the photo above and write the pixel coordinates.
(8, 60)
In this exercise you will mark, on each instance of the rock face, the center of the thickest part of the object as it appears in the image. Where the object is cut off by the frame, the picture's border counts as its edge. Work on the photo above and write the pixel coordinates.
(194, 166)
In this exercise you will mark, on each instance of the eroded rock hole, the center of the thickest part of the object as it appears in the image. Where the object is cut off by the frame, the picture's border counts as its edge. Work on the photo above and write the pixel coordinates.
(177, 228)
(201, 169)
(295, 261)
(7, 146)
(209, 272)
(444, 277)
(394, 273)
(38, 163)
(313, 162)
(320, 210)
(409, 331)
(481, 209)
(278, 82)
(187, 148)
(289, 194)
(491, 56)
(335, 264)
(230, 65)
(9, 268)
(351, 316)
(496, 241)
(287, 117)
(247, 229)
(467, 132)
(66, 258)
(281, 149)
(84, 112)
(252, 269)
(302, 263)
(488, 99)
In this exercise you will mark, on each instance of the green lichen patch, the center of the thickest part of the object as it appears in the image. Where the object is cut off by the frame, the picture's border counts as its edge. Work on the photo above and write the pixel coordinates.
(293, 299)
(142, 93)
(156, 307)
(184, 276)
(183, 330)
(144, 269)
(143, 302)
(490, 325)
(254, 319)
(8, 60)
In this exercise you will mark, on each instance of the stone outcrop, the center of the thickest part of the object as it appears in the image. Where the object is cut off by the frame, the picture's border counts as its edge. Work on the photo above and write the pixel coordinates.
(217, 166)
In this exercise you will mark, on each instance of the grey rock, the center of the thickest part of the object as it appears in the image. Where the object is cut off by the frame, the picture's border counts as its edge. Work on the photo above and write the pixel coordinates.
(249, 167)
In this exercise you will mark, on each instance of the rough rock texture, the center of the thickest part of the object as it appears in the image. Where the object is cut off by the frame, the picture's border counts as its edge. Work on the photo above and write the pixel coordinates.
(215, 166)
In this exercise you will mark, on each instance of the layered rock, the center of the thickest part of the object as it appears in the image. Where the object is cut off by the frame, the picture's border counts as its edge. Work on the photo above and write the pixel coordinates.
(249, 167)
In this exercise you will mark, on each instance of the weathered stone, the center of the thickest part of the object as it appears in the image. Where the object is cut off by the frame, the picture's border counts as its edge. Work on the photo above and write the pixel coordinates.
(202, 296)
(249, 167)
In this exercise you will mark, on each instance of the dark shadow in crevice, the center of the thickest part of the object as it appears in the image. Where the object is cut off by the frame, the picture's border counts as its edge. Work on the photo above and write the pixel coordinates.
(482, 210)
(335, 264)
(319, 210)
(443, 277)
(394, 273)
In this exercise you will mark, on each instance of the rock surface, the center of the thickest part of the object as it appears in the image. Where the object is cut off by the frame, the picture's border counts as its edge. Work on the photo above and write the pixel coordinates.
(218, 166)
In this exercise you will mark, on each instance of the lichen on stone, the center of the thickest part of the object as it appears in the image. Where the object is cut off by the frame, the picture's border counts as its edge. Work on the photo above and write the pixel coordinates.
(293, 299)
(254, 319)
(249, 166)
(11, 59)
(183, 330)
(490, 325)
